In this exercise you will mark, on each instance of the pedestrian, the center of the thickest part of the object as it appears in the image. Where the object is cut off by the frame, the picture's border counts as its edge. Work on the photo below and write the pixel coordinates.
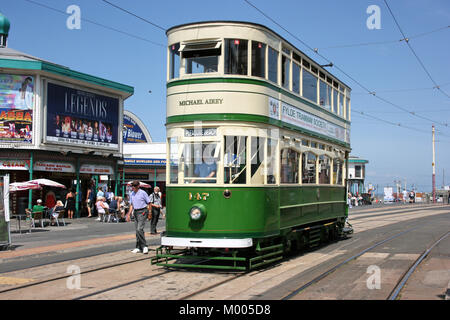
(139, 206)
(101, 206)
(70, 203)
(90, 197)
(100, 192)
(155, 200)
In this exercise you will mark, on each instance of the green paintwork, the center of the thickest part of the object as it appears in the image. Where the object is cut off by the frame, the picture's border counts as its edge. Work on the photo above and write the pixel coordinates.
(249, 118)
(309, 204)
(250, 212)
(263, 83)
(63, 71)
(254, 212)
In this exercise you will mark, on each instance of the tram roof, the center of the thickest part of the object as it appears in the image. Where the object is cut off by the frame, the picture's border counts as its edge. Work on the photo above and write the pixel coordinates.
(259, 26)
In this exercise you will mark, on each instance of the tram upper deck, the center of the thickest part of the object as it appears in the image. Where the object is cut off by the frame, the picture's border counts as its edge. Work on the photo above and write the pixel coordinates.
(240, 71)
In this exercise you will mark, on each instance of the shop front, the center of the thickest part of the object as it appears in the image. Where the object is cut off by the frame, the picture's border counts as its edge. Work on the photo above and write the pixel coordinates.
(59, 124)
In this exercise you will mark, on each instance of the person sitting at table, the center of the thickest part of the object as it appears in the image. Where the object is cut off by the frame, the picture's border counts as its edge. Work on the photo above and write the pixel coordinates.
(37, 210)
(55, 211)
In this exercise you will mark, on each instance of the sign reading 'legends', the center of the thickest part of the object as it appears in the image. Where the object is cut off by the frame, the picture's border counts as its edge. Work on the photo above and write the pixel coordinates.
(82, 118)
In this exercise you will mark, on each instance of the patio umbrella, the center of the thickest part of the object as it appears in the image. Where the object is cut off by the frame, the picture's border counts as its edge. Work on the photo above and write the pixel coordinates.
(141, 184)
(20, 186)
(47, 183)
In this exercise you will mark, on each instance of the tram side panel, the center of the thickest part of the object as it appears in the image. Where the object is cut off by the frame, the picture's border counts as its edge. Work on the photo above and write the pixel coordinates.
(247, 213)
(309, 204)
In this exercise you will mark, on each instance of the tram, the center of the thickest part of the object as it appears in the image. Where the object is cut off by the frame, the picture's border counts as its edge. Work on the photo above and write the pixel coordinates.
(258, 135)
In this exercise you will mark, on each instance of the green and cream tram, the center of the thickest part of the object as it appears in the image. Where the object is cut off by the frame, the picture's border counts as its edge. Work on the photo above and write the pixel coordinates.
(257, 138)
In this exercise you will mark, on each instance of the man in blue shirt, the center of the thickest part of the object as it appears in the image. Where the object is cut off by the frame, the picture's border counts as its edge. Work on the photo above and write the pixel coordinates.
(206, 169)
(139, 206)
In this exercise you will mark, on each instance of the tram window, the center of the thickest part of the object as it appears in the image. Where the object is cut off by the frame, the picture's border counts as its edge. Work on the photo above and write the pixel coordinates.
(201, 57)
(295, 78)
(236, 56)
(308, 167)
(305, 143)
(173, 160)
(257, 160)
(285, 72)
(199, 161)
(273, 65)
(296, 57)
(309, 86)
(289, 166)
(271, 161)
(337, 171)
(305, 64)
(235, 160)
(325, 95)
(174, 61)
(335, 101)
(347, 106)
(324, 169)
(313, 144)
(321, 146)
(341, 104)
(258, 59)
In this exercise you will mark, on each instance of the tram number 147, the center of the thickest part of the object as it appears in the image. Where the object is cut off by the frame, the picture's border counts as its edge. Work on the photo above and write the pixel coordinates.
(198, 196)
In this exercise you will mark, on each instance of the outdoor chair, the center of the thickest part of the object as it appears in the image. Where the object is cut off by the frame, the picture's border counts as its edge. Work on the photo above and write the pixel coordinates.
(58, 215)
(37, 215)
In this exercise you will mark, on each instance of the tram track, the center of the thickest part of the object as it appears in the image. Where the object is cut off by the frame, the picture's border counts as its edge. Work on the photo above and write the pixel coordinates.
(45, 281)
(336, 267)
(402, 282)
(399, 285)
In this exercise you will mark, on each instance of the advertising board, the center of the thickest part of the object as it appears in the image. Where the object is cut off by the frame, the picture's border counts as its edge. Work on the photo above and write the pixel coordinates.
(82, 118)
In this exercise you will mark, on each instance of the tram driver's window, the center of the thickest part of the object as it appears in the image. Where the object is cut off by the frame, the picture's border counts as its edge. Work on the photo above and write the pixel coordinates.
(308, 167)
(235, 160)
(289, 166)
(201, 57)
(324, 169)
(257, 160)
(174, 61)
(236, 57)
(200, 162)
(173, 159)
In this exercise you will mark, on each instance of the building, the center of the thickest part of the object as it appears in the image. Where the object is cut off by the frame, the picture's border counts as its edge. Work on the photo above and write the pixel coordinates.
(57, 123)
(143, 159)
(356, 174)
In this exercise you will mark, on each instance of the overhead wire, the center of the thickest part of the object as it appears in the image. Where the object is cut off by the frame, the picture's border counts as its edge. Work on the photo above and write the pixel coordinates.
(383, 42)
(134, 15)
(315, 50)
(98, 24)
(414, 52)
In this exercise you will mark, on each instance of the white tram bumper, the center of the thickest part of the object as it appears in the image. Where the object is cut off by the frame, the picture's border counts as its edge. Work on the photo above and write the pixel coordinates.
(206, 243)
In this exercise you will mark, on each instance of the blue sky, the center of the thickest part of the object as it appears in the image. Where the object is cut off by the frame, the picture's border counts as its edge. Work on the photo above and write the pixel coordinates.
(390, 68)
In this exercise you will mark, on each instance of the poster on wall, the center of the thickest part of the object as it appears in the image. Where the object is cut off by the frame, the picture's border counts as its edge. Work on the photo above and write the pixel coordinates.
(16, 108)
(82, 118)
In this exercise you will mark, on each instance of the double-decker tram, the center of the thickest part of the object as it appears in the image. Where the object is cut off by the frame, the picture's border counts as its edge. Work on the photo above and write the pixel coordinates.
(257, 138)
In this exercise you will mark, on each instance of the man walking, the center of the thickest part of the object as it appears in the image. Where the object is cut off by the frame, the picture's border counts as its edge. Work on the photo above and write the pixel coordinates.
(139, 206)
(155, 200)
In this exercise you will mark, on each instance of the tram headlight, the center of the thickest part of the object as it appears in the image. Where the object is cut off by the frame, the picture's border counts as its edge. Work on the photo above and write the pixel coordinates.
(197, 212)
